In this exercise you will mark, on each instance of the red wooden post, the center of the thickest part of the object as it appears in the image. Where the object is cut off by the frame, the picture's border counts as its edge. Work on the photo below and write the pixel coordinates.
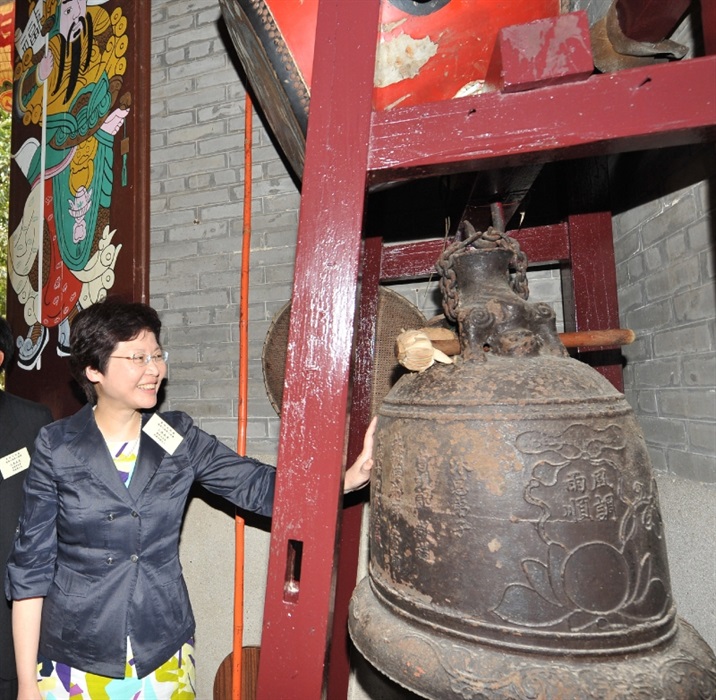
(708, 22)
(300, 587)
(594, 282)
(360, 415)
(592, 266)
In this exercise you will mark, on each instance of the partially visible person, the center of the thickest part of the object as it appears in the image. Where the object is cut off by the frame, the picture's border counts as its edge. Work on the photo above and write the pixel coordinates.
(20, 421)
(100, 605)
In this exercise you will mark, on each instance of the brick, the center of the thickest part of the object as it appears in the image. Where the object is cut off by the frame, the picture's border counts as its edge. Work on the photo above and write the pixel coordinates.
(200, 231)
(681, 340)
(631, 297)
(232, 209)
(195, 132)
(169, 90)
(226, 143)
(658, 373)
(175, 56)
(206, 408)
(650, 317)
(167, 285)
(688, 403)
(181, 390)
(653, 260)
(702, 436)
(676, 246)
(185, 152)
(204, 95)
(172, 251)
(646, 402)
(186, 166)
(190, 317)
(194, 198)
(626, 244)
(663, 431)
(199, 35)
(700, 468)
(189, 7)
(695, 305)
(707, 265)
(658, 458)
(171, 27)
(673, 278)
(638, 216)
(672, 219)
(223, 111)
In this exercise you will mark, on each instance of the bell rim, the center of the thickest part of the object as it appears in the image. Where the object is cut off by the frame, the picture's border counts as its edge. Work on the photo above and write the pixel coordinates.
(436, 677)
(523, 639)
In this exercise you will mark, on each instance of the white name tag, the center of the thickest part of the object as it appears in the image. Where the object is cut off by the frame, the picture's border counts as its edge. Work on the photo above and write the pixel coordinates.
(14, 463)
(162, 433)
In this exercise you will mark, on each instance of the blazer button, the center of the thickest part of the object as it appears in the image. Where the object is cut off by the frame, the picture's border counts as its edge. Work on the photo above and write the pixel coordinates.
(134, 558)
(135, 514)
(110, 516)
(110, 560)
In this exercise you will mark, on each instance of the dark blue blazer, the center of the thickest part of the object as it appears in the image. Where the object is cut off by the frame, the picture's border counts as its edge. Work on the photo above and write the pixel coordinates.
(106, 557)
(20, 421)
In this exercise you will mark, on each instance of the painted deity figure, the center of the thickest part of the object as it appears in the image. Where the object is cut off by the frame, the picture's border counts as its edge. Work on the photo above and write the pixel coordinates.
(69, 83)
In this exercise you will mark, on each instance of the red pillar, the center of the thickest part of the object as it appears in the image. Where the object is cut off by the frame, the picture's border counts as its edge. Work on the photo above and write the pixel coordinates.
(300, 587)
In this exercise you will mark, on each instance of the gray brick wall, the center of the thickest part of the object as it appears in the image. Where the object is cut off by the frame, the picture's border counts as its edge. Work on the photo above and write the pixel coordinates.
(197, 176)
(665, 268)
(197, 199)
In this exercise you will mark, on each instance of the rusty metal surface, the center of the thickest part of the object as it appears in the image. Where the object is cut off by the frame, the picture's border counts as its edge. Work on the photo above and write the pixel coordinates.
(625, 37)
(516, 542)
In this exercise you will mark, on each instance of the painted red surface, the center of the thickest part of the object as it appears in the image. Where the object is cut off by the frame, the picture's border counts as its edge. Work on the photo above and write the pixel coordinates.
(662, 105)
(462, 35)
(544, 52)
(708, 22)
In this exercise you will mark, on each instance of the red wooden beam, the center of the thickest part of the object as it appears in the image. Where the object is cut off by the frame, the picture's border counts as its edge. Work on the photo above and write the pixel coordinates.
(300, 587)
(411, 260)
(663, 105)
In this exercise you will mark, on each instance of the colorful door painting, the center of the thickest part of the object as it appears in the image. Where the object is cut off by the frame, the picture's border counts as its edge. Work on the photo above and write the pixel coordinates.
(79, 195)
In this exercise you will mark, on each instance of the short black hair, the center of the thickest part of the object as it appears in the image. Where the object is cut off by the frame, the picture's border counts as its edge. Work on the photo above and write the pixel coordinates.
(7, 343)
(98, 329)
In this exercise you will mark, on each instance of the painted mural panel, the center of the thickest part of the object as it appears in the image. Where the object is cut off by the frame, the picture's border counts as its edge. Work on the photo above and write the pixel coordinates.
(79, 197)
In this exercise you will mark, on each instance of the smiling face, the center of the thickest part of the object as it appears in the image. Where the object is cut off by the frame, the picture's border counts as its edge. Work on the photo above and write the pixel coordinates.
(125, 385)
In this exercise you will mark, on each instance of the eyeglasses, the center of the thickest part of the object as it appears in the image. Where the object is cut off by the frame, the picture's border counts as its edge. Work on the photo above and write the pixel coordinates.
(141, 358)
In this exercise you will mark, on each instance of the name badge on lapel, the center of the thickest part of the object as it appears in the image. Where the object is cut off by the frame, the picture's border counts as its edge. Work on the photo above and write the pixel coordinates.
(163, 434)
(14, 463)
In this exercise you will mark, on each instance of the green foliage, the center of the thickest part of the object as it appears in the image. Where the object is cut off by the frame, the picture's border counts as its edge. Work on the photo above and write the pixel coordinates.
(5, 121)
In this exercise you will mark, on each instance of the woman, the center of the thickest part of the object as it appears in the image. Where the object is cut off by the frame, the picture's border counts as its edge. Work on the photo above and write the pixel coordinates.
(95, 573)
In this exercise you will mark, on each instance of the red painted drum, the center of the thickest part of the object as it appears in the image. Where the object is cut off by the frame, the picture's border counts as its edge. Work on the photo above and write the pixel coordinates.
(428, 50)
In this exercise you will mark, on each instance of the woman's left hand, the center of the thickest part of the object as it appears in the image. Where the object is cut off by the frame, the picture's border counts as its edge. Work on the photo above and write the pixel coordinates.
(359, 473)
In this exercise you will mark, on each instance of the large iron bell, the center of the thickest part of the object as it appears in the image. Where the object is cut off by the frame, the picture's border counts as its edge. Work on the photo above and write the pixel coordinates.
(516, 542)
